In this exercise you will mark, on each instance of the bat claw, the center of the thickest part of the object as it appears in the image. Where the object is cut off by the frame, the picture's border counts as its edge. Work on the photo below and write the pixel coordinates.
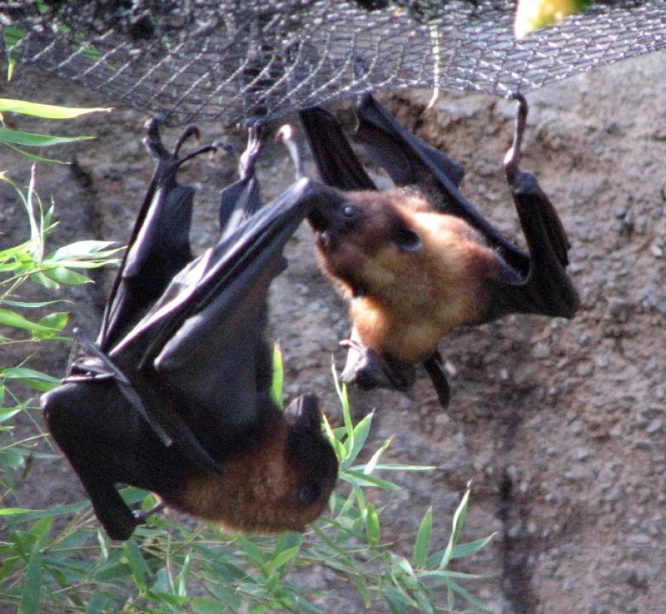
(189, 132)
(512, 157)
(286, 135)
(141, 517)
(433, 367)
(248, 158)
(369, 370)
(157, 150)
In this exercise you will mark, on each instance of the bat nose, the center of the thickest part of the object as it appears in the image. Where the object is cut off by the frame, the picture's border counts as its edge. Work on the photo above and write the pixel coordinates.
(319, 220)
(310, 493)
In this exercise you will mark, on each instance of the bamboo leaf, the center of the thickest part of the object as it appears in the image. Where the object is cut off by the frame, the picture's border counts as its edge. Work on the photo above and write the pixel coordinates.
(423, 537)
(47, 111)
(32, 583)
(29, 139)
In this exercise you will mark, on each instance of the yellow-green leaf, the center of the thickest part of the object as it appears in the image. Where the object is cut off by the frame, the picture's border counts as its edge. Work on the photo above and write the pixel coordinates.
(48, 111)
(534, 14)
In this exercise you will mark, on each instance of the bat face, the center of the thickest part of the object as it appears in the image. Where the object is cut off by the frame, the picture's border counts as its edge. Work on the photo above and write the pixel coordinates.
(416, 266)
(175, 396)
(413, 273)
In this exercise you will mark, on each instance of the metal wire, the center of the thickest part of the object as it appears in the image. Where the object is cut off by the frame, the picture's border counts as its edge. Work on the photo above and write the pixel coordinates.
(236, 60)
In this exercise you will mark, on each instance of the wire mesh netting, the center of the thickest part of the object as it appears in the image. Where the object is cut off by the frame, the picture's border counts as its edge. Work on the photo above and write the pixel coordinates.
(249, 59)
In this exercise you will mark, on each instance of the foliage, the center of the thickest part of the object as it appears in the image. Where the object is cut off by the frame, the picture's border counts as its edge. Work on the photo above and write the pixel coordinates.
(32, 261)
(170, 566)
(15, 138)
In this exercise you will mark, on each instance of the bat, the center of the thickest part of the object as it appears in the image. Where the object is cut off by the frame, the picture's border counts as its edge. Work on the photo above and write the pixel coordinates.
(174, 395)
(419, 260)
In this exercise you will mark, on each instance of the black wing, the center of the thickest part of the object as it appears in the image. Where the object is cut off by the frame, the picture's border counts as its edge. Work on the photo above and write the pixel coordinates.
(242, 199)
(410, 161)
(204, 337)
(336, 161)
(545, 288)
(159, 246)
(196, 360)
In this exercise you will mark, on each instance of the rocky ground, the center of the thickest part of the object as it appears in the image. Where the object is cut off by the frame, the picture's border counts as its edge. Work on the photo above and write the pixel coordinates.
(559, 425)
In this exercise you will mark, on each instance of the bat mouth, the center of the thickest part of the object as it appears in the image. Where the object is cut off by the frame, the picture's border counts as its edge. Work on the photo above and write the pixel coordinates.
(321, 226)
(320, 223)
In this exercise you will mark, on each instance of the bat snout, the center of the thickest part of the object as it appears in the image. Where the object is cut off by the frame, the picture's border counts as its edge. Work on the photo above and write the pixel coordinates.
(318, 220)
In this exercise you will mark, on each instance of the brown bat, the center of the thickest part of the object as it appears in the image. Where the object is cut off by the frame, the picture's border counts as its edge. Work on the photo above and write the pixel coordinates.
(419, 260)
(174, 396)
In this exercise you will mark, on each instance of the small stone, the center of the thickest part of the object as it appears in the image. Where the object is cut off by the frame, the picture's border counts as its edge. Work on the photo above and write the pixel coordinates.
(540, 351)
(581, 453)
(655, 426)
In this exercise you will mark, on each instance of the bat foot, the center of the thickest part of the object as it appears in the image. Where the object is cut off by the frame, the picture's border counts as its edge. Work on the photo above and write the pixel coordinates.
(286, 135)
(433, 367)
(369, 370)
(512, 157)
(157, 150)
(248, 158)
(141, 517)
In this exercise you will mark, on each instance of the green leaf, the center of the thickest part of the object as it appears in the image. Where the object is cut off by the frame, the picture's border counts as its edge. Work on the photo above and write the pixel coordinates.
(360, 436)
(43, 280)
(459, 517)
(97, 604)
(29, 139)
(84, 249)
(10, 511)
(12, 36)
(6, 413)
(32, 583)
(371, 465)
(367, 481)
(423, 538)
(202, 605)
(398, 600)
(34, 157)
(278, 377)
(253, 552)
(66, 276)
(458, 524)
(137, 563)
(283, 558)
(467, 596)
(372, 528)
(22, 373)
(47, 111)
(462, 550)
(55, 321)
(16, 320)
(445, 573)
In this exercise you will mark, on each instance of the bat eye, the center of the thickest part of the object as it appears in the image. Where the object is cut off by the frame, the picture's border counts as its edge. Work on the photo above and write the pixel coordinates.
(310, 494)
(350, 212)
(409, 240)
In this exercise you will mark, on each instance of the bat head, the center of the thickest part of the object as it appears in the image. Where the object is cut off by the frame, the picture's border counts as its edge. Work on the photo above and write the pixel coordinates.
(309, 453)
(278, 482)
(353, 228)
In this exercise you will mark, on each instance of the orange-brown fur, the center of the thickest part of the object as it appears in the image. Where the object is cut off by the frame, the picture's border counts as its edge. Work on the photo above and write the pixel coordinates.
(410, 299)
(257, 490)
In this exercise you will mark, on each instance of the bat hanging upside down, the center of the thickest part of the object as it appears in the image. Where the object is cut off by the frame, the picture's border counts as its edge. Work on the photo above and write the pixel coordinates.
(416, 261)
(174, 396)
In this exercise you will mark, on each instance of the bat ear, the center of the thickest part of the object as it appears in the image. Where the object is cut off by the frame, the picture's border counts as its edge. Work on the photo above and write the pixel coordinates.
(304, 413)
(407, 239)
